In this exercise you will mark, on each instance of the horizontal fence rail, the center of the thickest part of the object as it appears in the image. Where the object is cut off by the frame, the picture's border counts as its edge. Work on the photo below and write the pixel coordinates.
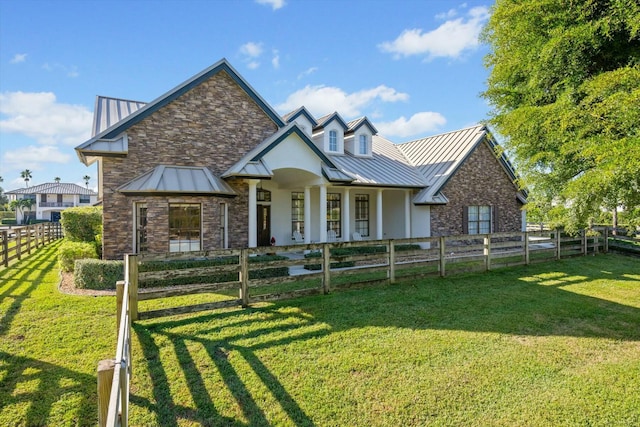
(17, 241)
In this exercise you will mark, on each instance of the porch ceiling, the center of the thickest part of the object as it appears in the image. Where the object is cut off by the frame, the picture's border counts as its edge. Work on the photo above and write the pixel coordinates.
(295, 178)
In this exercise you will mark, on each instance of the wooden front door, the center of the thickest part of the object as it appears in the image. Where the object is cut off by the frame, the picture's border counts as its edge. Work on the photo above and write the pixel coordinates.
(264, 225)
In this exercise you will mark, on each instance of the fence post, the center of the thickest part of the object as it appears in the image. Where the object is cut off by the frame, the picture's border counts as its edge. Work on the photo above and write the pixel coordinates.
(606, 240)
(443, 261)
(392, 261)
(28, 229)
(5, 246)
(132, 267)
(105, 378)
(487, 252)
(119, 300)
(244, 277)
(18, 245)
(558, 253)
(326, 268)
(585, 242)
(526, 248)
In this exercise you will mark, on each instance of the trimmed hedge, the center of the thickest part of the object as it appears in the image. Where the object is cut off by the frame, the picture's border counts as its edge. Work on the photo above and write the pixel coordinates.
(82, 224)
(69, 252)
(97, 274)
(8, 221)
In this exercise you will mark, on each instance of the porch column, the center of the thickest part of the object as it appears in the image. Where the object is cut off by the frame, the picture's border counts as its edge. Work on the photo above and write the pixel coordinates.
(323, 213)
(346, 232)
(307, 214)
(253, 214)
(407, 213)
(379, 215)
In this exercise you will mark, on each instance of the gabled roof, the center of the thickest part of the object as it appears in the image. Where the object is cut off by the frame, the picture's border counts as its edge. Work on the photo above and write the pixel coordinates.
(109, 111)
(302, 111)
(387, 167)
(164, 179)
(116, 129)
(356, 124)
(325, 120)
(253, 159)
(439, 157)
(54, 188)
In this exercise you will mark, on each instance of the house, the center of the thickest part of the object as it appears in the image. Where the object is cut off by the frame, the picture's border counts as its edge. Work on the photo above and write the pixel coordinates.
(49, 199)
(210, 164)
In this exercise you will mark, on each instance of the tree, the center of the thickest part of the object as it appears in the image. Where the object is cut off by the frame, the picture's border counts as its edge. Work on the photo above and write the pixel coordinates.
(3, 198)
(20, 205)
(564, 85)
(57, 179)
(26, 175)
(86, 179)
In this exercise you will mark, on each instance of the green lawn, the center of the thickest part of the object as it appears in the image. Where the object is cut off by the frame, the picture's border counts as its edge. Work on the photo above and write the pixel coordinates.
(551, 344)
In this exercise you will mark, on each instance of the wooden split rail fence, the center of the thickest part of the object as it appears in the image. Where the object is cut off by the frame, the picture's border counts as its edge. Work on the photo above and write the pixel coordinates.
(17, 241)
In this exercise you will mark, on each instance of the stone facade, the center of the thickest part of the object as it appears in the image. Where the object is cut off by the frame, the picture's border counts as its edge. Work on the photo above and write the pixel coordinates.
(213, 125)
(480, 180)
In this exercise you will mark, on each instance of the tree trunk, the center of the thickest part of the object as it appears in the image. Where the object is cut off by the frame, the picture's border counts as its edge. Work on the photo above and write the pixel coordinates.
(615, 222)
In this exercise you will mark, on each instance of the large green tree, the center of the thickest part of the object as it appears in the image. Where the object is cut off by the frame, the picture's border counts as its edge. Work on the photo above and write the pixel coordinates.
(564, 85)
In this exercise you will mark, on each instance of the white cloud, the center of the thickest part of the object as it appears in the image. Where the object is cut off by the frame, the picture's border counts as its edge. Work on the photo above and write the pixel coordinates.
(251, 49)
(419, 123)
(33, 156)
(447, 15)
(38, 115)
(252, 65)
(450, 39)
(70, 71)
(321, 99)
(275, 61)
(18, 58)
(307, 72)
(275, 4)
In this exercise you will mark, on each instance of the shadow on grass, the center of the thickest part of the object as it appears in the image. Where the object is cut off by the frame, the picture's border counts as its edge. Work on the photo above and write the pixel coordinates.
(523, 301)
(18, 282)
(40, 386)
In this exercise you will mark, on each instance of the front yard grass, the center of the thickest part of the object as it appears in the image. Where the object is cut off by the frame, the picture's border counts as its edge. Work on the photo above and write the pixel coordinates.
(556, 343)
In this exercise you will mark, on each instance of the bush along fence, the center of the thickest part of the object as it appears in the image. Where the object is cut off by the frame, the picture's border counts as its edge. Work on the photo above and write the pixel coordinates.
(241, 277)
(18, 241)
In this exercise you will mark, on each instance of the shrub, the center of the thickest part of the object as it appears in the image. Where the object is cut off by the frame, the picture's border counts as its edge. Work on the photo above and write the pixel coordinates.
(97, 274)
(69, 252)
(7, 221)
(82, 224)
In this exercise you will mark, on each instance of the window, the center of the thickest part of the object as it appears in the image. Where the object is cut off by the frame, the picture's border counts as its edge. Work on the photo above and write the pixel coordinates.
(362, 214)
(263, 195)
(333, 140)
(223, 226)
(479, 220)
(84, 198)
(363, 147)
(141, 228)
(334, 213)
(31, 197)
(184, 227)
(297, 213)
(43, 198)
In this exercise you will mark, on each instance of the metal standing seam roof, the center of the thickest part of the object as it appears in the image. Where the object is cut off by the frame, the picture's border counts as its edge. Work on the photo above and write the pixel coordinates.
(438, 157)
(166, 179)
(109, 111)
(353, 125)
(54, 188)
(387, 167)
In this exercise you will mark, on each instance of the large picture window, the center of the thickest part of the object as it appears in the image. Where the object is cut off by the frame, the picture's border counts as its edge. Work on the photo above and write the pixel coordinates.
(479, 220)
(297, 213)
(334, 213)
(362, 214)
(184, 227)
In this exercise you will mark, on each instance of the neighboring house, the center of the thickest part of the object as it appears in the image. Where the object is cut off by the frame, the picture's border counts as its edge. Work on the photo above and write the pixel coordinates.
(211, 165)
(50, 199)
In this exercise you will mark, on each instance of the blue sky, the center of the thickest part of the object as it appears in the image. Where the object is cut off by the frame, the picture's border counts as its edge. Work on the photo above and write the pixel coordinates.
(414, 68)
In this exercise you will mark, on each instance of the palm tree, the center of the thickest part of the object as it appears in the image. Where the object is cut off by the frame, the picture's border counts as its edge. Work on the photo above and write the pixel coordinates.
(57, 179)
(86, 178)
(26, 175)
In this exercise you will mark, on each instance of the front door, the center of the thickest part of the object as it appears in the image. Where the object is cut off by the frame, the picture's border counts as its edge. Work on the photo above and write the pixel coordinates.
(264, 225)
(55, 216)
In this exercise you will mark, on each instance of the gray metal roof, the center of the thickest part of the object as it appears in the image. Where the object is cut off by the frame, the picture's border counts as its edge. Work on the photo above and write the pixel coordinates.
(54, 188)
(387, 167)
(438, 157)
(109, 111)
(177, 179)
(322, 121)
(353, 125)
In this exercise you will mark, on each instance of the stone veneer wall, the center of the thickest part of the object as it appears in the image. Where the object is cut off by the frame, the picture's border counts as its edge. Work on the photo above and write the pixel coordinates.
(212, 125)
(482, 181)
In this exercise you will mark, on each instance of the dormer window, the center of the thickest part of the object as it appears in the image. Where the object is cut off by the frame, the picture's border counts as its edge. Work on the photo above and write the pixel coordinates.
(363, 145)
(333, 140)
